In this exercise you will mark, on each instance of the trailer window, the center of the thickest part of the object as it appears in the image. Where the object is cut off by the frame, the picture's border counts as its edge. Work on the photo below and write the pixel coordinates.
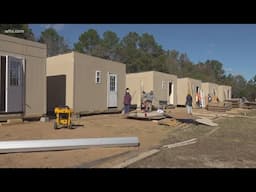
(98, 77)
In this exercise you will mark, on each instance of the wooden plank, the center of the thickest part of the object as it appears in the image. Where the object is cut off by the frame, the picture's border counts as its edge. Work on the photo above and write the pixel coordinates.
(206, 122)
(153, 152)
(137, 158)
(183, 143)
(168, 122)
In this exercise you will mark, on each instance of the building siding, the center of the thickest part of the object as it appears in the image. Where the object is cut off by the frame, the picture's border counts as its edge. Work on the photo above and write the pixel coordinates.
(185, 86)
(82, 93)
(151, 80)
(62, 65)
(34, 54)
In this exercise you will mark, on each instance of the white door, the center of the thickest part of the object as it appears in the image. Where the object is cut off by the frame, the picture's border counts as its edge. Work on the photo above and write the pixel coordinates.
(112, 90)
(202, 98)
(14, 84)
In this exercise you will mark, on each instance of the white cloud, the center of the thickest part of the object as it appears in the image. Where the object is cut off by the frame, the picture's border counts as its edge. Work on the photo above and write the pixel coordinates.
(57, 27)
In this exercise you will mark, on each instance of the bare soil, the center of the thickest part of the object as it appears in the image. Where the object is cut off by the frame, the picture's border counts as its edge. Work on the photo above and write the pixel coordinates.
(230, 145)
(115, 125)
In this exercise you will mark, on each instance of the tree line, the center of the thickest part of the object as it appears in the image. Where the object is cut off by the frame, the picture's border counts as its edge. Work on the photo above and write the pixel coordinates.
(140, 53)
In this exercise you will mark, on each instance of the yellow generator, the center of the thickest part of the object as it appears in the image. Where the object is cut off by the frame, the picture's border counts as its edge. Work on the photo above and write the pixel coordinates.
(63, 117)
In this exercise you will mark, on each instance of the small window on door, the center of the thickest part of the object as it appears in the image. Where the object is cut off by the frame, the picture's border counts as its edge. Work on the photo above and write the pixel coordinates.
(98, 77)
(14, 75)
(112, 83)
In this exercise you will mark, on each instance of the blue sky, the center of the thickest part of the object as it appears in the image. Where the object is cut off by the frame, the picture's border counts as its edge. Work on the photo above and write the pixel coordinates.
(234, 45)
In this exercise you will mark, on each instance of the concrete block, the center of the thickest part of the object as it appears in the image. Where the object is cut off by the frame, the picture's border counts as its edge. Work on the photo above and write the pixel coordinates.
(44, 119)
(14, 121)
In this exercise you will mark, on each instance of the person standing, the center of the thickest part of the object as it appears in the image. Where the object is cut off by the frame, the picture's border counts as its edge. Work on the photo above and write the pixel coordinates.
(209, 98)
(149, 101)
(189, 104)
(143, 100)
(127, 101)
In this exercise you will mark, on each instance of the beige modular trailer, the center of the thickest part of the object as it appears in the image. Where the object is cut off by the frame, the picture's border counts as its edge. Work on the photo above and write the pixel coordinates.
(22, 77)
(85, 83)
(163, 85)
(224, 92)
(211, 89)
(185, 86)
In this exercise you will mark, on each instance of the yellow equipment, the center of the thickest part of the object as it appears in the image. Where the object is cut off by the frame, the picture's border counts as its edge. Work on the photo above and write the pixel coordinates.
(63, 117)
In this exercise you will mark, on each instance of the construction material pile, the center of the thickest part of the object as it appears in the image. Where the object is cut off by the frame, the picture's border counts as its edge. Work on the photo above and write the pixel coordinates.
(153, 115)
(169, 122)
(219, 107)
(249, 105)
(170, 106)
(236, 102)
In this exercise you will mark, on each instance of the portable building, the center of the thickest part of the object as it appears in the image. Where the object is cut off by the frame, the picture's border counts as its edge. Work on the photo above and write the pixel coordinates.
(163, 85)
(22, 78)
(224, 92)
(85, 83)
(188, 86)
(209, 89)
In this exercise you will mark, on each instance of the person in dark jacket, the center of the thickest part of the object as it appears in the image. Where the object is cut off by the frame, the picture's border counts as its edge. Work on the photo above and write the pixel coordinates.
(127, 101)
(189, 104)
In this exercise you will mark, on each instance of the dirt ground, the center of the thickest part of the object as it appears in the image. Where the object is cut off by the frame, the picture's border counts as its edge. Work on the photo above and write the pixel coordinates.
(115, 125)
(230, 145)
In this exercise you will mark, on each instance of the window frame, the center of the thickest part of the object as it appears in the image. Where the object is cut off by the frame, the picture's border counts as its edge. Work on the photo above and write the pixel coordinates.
(14, 75)
(97, 77)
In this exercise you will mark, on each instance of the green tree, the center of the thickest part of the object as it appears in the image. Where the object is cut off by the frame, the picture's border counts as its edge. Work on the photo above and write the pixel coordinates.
(89, 43)
(131, 40)
(143, 53)
(184, 65)
(28, 34)
(55, 43)
(239, 85)
(110, 45)
(129, 52)
(171, 61)
(251, 89)
(148, 44)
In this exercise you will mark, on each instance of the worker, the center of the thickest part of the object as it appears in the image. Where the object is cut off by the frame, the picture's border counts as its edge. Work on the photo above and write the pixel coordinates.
(143, 100)
(199, 100)
(189, 104)
(196, 98)
(209, 98)
(127, 101)
(149, 101)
